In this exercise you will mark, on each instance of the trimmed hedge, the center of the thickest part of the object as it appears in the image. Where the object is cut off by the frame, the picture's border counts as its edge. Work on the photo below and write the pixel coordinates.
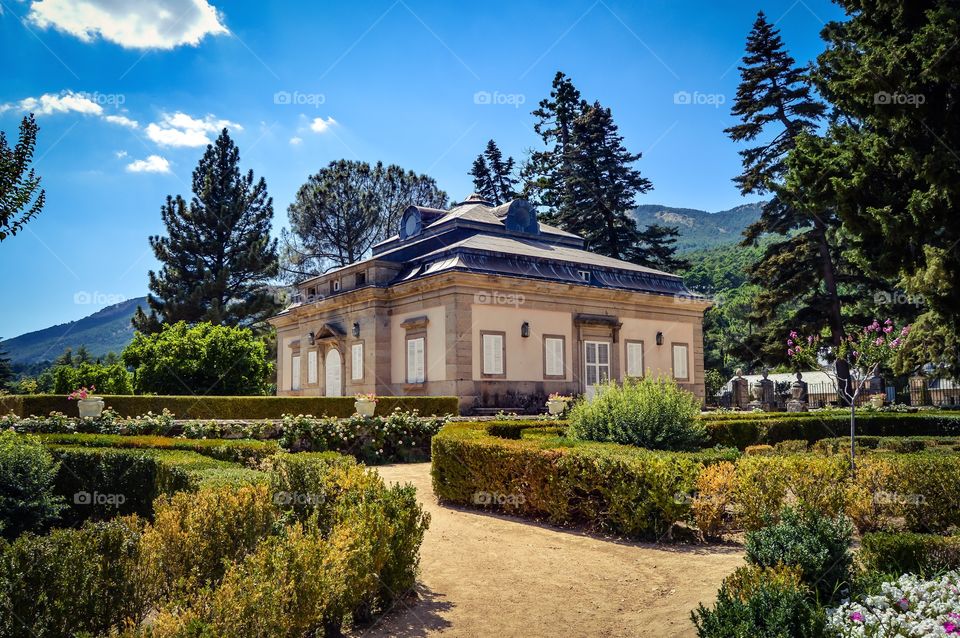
(610, 487)
(208, 407)
(893, 553)
(742, 432)
(230, 450)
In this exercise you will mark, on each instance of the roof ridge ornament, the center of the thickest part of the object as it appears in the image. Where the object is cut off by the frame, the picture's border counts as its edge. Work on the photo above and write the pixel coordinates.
(475, 198)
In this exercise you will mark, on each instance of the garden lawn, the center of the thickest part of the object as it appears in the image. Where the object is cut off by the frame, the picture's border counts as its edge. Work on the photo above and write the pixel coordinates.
(485, 574)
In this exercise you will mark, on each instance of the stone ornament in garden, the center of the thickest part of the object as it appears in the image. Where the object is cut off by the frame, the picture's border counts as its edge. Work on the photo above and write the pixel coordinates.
(557, 403)
(89, 405)
(365, 404)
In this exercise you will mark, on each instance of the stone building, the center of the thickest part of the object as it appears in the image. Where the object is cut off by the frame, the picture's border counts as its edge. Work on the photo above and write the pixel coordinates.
(485, 303)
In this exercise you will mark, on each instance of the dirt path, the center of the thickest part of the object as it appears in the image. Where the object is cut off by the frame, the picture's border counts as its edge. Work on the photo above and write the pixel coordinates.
(491, 575)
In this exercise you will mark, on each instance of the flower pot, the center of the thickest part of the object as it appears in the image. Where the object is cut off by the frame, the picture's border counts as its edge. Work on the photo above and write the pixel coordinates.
(91, 407)
(556, 407)
(876, 400)
(365, 408)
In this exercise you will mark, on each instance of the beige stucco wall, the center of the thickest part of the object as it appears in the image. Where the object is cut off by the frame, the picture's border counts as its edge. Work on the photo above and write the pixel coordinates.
(284, 358)
(524, 355)
(658, 360)
(436, 352)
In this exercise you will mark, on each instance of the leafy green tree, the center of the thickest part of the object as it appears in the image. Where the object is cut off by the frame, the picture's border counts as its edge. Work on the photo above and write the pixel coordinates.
(204, 359)
(891, 72)
(28, 502)
(107, 379)
(346, 208)
(493, 177)
(82, 355)
(21, 197)
(217, 257)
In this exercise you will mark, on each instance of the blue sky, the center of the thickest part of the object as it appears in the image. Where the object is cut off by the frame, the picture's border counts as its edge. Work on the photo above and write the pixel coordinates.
(127, 94)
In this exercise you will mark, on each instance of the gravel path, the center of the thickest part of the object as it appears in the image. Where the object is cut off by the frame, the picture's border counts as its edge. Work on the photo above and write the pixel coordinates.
(491, 575)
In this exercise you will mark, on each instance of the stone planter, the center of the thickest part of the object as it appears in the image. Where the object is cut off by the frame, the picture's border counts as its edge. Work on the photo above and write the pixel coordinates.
(91, 407)
(365, 408)
(556, 407)
(876, 400)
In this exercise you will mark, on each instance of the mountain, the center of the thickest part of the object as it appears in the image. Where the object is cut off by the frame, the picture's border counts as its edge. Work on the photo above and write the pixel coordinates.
(698, 228)
(107, 330)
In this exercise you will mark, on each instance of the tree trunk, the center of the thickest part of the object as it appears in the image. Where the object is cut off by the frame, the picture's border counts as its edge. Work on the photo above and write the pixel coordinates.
(834, 315)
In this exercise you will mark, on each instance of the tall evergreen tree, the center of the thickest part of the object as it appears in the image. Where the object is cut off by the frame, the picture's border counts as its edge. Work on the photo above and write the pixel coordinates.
(804, 277)
(493, 177)
(656, 248)
(892, 74)
(21, 197)
(6, 367)
(217, 257)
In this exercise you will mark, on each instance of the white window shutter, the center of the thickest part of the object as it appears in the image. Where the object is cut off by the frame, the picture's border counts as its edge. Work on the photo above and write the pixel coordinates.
(635, 359)
(680, 361)
(554, 357)
(356, 361)
(421, 363)
(295, 373)
(415, 362)
(312, 366)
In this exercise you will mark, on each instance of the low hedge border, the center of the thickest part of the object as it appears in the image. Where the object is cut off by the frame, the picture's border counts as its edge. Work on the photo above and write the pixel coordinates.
(893, 553)
(608, 487)
(769, 430)
(245, 407)
(229, 450)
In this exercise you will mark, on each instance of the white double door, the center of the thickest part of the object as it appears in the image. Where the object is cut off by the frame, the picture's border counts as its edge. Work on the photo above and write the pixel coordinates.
(334, 373)
(596, 365)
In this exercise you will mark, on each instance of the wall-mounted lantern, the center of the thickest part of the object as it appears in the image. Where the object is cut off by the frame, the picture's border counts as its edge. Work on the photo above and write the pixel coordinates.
(659, 338)
(525, 329)
(312, 338)
(356, 328)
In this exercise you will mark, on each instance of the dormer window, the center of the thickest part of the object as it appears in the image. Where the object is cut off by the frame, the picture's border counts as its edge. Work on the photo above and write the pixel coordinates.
(335, 285)
(361, 279)
(584, 275)
(311, 293)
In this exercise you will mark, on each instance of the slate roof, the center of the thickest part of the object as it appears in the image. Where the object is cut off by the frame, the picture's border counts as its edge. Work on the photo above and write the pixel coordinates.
(507, 240)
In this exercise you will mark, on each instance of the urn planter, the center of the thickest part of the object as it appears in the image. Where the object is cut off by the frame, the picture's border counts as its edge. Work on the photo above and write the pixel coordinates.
(365, 408)
(556, 407)
(91, 407)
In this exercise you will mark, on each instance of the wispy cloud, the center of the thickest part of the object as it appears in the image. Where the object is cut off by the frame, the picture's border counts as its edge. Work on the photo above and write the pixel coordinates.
(122, 120)
(153, 164)
(158, 24)
(296, 141)
(180, 129)
(51, 103)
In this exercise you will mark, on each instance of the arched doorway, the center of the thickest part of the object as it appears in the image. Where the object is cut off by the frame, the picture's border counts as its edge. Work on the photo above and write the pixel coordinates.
(334, 373)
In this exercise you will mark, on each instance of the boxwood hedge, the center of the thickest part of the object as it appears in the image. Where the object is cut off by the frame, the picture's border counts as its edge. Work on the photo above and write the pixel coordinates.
(244, 407)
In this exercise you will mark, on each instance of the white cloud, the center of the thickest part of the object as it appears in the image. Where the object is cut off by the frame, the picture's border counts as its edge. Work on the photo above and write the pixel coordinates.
(120, 154)
(320, 125)
(122, 120)
(296, 141)
(50, 103)
(181, 129)
(153, 164)
(158, 24)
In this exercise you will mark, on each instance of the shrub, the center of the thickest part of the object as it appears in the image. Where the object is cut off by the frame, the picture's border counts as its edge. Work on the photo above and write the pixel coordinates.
(791, 446)
(754, 450)
(714, 494)
(194, 536)
(72, 581)
(759, 490)
(817, 545)
(908, 552)
(761, 604)
(651, 413)
(927, 490)
(217, 359)
(107, 379)
(28, 501)
(231, 450)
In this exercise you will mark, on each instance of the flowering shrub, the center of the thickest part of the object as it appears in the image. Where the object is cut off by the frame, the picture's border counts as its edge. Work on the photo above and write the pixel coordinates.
(109, 422)
(81, 394)
(399, 436)
(908, 606)
(365, 397)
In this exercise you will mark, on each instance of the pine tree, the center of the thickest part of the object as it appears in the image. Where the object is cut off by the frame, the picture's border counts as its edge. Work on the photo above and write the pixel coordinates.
(891, 161)
(656, 248)
(493, 176)
(803, 275)
(217, 255)
(65, 358)
(82, 355)
(21, 197)
(6, 367)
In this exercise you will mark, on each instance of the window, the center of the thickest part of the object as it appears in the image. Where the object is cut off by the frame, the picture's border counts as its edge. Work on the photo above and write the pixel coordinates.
(634, 359)
(311, 293)
(584, 275)
(416, 360)
(335, 285)
(361, 279)
(554, 349)
(312, 366)
(680, 362)
(295, 372)
(494, 354)
(356, 361)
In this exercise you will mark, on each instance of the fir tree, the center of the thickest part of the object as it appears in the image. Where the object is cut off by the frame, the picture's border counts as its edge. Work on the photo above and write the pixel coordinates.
(656, 248)
(217, 257)
(21, 197)
(6, 367)
(493, 176)
(803, 275)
